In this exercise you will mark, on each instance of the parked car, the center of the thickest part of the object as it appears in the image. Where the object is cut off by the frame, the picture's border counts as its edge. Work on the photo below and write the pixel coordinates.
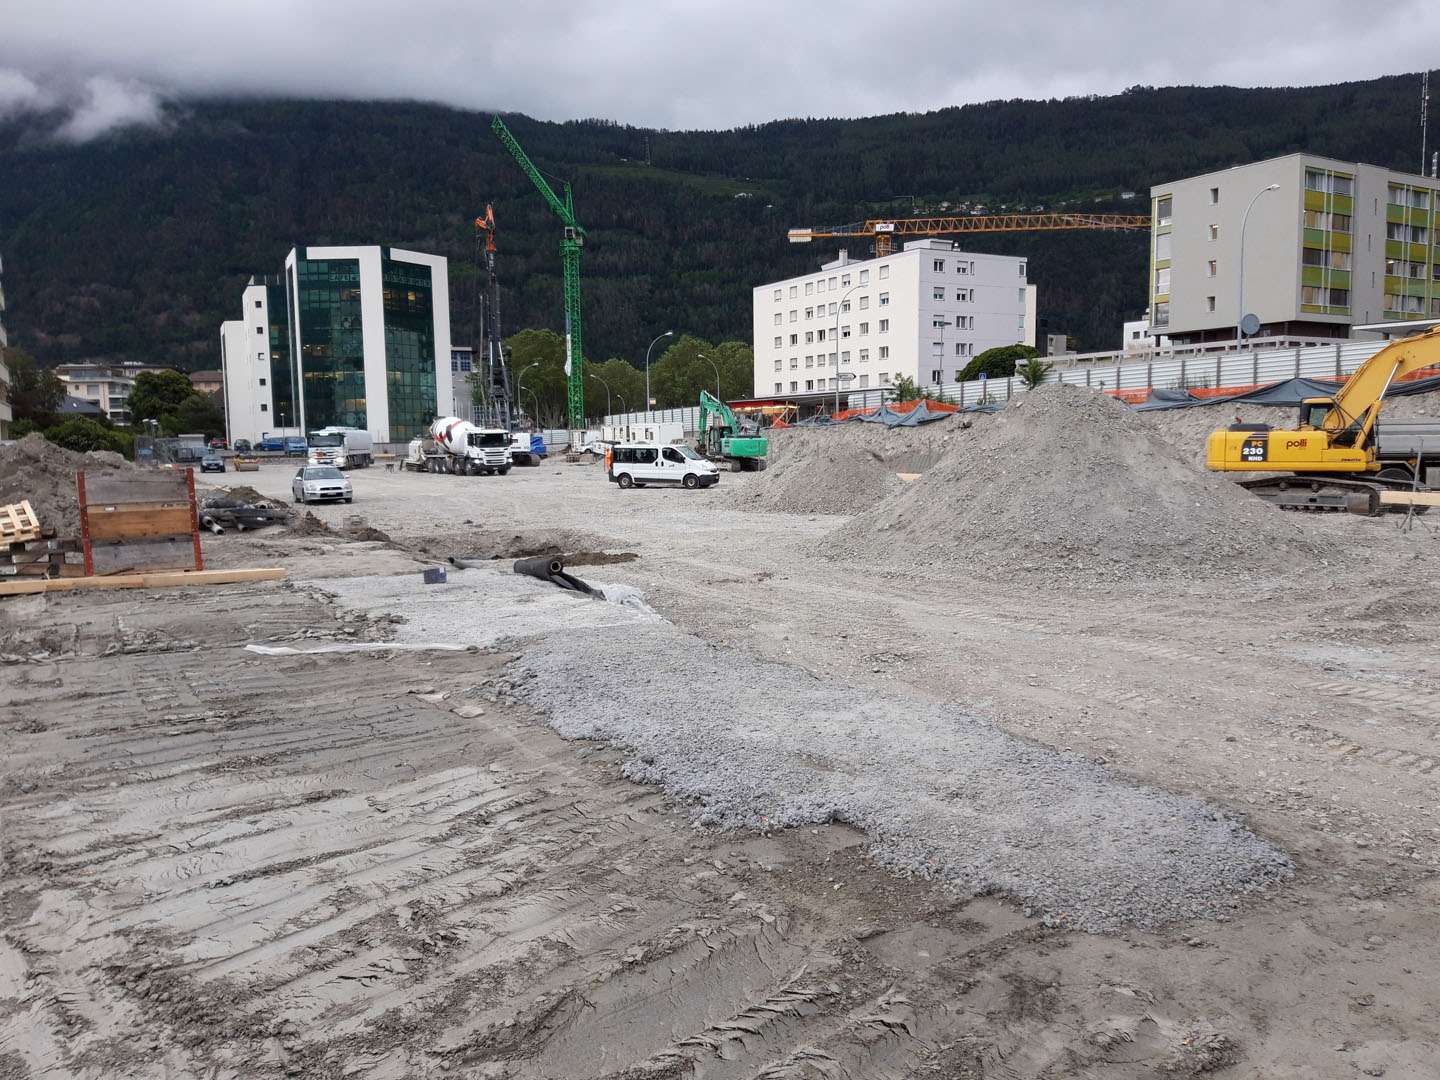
(316, 483)
(242, 446)
(296, 446)
(212, 462)
(271, 443)
(217, 444)
(638, 464)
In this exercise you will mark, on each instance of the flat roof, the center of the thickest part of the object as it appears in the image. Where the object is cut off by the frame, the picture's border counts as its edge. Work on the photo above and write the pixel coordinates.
(1320, 158)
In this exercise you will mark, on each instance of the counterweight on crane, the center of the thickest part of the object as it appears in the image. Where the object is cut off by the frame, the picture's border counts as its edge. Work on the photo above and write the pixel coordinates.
(571, 241)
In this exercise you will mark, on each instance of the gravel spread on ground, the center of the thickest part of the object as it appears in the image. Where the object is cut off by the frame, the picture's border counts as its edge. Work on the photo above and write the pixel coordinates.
(942, 794)
(37, 471)
(1067, 481)
(842, 469)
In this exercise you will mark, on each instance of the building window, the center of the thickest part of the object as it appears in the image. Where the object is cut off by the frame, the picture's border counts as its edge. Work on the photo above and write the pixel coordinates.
(1163, 210)
(884, 273)
(809, 337)
(777, 387)
(794, 315)
(777, 364)
(884, 354)
(794, 362)
(794, 386)
(261, 357)
(1214, 196)
(884, 299)
(834, 309)
(864, 303)
(845, 357)
(820, 335)
(1209, 303)
(1210, 268)
(1160, 314)
(264, 407)
(1214, 232)
(844, 281)
(778, 318)
(810, 360)
(844, 331)
(1162, 281)
(884, 326)
(809, 313)
(779, 294)
(820, 285)
(780, 341)
(864, 277)
(809, 288)
(832, 284)
(864, 328)
(260, 329)
(938, 266)
(864, 381)
(1162, 247)
(939, 293)
(1022, 297)
(864, 356)
(809, 384)
(258, 303)
(794, 339)
(262, 382)
(884, 378)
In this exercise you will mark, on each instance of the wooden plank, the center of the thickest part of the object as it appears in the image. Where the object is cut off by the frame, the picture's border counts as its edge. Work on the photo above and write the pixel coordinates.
(174, 553)
(1410, 498)
(124, 523)
(164, 580)
(112, 488)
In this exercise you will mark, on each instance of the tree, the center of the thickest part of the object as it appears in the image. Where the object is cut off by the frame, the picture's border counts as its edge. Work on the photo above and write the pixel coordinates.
(198, 413)
(692, 364)
(35, 392)
(906, 389)
(626, 387)
(1033, 371)
(997, 363)
(157, 394)
(82, 435)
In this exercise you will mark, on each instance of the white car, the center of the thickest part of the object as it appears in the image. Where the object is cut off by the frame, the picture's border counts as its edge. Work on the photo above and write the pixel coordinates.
(316, 483)
(638, 464)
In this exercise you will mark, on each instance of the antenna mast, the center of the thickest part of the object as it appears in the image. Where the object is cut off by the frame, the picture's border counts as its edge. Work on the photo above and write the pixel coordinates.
(1424, 115)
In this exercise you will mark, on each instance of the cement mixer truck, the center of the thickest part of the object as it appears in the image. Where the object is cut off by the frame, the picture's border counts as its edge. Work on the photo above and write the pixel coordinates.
(458, 446)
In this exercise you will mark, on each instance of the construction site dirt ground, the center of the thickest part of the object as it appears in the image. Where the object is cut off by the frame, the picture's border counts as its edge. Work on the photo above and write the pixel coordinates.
(223, 863)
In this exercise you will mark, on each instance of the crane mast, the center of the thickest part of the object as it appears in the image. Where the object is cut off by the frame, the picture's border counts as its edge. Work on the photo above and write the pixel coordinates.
(571, 241)
(499, 398)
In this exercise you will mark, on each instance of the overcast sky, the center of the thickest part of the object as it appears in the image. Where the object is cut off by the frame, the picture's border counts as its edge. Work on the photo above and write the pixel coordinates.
(678, 63)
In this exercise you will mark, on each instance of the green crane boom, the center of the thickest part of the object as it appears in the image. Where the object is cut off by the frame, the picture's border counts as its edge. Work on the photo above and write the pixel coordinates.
(570, 244)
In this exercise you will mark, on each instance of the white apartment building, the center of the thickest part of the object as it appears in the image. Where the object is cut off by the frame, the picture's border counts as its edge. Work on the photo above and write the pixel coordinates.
(105, 385)
(923, 312)
(346, 336)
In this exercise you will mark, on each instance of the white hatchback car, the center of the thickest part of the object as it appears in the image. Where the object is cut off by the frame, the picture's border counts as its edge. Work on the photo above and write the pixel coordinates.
(638, 464)
(316, 483)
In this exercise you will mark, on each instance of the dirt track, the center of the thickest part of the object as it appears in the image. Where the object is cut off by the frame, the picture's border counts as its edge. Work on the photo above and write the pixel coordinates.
(232, 865)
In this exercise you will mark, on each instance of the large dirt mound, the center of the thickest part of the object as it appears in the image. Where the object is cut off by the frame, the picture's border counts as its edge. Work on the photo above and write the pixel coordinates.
(1065, 481)
(36, 470)
(842, 469)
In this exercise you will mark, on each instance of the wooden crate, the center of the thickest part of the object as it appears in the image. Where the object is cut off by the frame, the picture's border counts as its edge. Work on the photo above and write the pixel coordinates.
(139, 521)
(18, 523)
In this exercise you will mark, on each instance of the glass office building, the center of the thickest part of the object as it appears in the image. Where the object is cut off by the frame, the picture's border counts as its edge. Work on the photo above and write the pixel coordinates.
(346, 336)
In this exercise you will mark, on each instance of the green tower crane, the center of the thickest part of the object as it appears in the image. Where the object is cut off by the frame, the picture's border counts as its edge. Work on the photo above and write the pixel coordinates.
(571, 241)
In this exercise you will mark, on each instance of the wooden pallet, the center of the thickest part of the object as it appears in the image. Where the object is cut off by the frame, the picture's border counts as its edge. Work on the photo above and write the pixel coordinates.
(163, 580)
(18, 523)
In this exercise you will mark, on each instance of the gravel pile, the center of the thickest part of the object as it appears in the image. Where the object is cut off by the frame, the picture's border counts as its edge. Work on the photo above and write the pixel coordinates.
(942, 794)
(842, 469)
(36, 470)
(1068, 482)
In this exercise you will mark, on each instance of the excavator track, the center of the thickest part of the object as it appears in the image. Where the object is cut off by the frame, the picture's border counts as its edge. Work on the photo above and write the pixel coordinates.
(1325, 493)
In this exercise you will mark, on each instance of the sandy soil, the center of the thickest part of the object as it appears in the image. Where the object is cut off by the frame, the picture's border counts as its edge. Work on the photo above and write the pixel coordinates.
(221, 864)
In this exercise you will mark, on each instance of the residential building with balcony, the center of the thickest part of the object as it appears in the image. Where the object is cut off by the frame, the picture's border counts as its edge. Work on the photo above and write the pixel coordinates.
(922, 312)
(1331, 245)
(105, 385)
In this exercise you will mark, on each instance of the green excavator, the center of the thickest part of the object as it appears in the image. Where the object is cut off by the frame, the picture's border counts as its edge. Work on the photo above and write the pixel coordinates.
(720, 437)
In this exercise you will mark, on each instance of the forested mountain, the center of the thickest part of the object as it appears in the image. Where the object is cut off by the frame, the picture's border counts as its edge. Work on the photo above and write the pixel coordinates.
(135, 246)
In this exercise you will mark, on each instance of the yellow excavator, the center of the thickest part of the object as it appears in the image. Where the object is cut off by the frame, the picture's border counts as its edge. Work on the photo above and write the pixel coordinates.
(1333, 458)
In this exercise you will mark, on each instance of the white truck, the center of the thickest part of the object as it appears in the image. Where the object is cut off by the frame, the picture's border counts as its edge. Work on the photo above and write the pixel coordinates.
(342, 447)
(458, 446)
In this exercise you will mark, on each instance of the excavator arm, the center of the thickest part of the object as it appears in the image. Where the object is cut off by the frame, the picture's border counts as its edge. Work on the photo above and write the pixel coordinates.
(1351, 414)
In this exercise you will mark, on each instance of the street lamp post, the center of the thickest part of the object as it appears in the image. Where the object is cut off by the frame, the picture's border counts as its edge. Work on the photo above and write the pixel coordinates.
(519, 384)
(839, 309)
(626, 409)
(667, 333)
(536, 400)
(1240, 299)
(607, 391)
(717, 374)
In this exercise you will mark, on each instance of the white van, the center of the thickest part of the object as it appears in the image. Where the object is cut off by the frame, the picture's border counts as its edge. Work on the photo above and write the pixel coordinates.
(638, 464)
